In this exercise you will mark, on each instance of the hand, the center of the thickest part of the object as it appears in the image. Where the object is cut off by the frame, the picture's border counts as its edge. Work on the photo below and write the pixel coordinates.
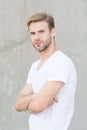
(33, 96)
(55, 100)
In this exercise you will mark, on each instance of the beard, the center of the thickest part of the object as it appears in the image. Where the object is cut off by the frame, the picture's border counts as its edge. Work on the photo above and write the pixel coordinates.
(44, 45)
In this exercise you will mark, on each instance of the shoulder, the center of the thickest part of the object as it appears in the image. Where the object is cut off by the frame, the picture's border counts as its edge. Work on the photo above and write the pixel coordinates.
(61, 58)
(67, 63)
(61, 62)
(34, 64)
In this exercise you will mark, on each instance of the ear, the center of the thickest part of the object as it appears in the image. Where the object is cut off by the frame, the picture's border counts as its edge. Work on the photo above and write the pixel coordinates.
(53, 32)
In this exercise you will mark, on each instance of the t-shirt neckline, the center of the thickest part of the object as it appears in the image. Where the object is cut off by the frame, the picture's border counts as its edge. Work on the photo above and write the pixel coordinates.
(38, 69)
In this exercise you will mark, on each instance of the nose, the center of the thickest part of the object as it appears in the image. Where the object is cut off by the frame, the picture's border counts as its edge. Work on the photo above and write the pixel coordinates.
(37, 36)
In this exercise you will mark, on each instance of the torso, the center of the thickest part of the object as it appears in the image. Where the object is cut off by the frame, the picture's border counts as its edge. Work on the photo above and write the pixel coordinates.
(54, 116)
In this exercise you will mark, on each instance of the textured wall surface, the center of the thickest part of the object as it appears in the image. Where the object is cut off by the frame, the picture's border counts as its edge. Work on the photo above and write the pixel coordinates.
(17, 54)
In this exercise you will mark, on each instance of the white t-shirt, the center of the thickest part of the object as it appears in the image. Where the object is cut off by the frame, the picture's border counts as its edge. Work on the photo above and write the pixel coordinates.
(58, 67)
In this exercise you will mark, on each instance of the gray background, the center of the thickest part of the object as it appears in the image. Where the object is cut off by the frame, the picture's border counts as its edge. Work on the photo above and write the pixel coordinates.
(17, 54)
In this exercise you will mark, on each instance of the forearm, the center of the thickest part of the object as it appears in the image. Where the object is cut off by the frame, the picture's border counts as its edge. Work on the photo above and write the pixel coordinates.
(23, 102)
(33, 109)
(34, 106)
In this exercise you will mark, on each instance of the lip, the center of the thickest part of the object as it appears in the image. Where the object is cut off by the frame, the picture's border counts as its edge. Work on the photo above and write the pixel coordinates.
(37, 43)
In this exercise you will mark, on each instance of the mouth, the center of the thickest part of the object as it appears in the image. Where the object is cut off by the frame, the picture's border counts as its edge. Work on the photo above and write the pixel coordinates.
(38, 43)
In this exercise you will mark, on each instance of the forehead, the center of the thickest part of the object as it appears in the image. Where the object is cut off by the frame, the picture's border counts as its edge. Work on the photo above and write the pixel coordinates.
(39, 25)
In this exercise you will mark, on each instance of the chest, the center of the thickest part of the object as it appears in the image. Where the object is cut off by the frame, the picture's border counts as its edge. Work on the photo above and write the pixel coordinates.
(39, 77)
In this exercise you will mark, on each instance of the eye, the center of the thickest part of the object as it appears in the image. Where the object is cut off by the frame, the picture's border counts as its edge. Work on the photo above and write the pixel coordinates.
(32, 33)
(41, 31)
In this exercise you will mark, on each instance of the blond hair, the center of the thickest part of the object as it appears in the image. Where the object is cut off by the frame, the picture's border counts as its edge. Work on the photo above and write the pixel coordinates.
(42, 17)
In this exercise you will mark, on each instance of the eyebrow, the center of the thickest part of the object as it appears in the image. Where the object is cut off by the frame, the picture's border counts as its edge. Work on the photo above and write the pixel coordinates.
(42, 30)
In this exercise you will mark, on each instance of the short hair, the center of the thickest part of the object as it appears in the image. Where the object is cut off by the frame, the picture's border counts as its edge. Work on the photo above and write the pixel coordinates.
(42, 17)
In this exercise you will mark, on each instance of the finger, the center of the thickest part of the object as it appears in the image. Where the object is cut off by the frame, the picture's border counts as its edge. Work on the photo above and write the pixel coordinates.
(55, 99)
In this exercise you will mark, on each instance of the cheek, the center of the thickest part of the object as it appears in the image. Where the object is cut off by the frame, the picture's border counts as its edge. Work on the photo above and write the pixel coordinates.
(32, 38)
(46, 36)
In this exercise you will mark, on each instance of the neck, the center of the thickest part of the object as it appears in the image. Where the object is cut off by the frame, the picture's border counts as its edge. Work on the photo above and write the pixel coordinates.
(48, 52)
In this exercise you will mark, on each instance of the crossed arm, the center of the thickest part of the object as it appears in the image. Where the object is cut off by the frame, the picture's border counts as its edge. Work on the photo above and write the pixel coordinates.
(36, 103)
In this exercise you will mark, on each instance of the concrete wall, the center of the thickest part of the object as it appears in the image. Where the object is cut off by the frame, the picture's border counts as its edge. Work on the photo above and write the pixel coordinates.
(17, 54)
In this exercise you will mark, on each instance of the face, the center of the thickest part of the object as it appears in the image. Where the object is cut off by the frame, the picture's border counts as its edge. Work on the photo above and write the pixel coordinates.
(41, 35)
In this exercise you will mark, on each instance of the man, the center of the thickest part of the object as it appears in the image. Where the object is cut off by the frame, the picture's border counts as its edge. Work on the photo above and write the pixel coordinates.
(50, 88)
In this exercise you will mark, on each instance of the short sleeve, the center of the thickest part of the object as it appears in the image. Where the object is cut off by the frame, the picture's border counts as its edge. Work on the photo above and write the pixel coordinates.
(59, 71)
